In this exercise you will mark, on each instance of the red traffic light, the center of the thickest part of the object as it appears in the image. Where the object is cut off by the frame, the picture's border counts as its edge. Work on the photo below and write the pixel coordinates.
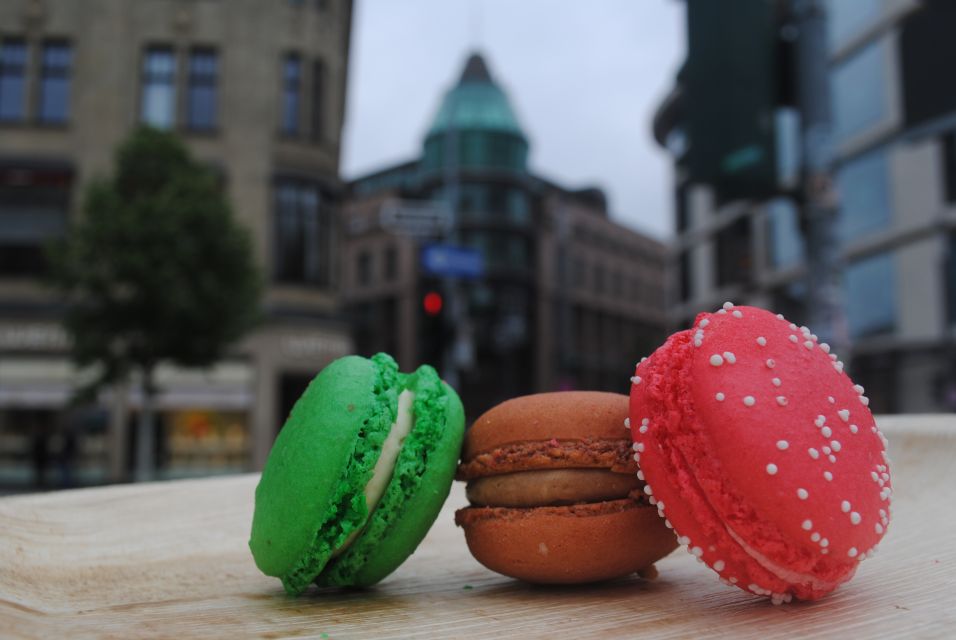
(432, 303)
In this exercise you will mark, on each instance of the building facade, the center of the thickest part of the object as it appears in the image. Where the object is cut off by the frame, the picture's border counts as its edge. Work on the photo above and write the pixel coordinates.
(895, 173)
(567, 297)
(256, 90)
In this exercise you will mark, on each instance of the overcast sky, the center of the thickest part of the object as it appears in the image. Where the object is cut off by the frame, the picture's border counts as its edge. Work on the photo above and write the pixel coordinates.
(583, 77)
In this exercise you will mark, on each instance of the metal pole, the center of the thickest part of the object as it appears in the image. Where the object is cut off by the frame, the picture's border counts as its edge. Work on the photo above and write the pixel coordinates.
(563, 339)
(453, 318)
(819, 198)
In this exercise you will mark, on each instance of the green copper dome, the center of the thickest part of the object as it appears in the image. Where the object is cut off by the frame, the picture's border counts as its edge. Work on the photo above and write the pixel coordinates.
(476, 103)
(478, 113)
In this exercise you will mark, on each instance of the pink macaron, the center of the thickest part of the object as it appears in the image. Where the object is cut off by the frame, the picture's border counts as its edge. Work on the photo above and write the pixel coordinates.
(761, 453)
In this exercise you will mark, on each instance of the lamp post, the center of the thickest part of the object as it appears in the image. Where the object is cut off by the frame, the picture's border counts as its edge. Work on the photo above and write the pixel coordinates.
(819, 198)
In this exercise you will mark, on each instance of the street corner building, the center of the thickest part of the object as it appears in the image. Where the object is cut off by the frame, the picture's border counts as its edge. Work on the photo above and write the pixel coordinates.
(256, 90)
(732, 125)
(465, 258)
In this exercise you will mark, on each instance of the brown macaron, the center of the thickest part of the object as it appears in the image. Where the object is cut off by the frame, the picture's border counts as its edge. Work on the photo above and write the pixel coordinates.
(554, 491)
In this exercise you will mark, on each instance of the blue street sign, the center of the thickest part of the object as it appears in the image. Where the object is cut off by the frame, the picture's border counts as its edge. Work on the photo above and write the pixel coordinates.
(449, 261)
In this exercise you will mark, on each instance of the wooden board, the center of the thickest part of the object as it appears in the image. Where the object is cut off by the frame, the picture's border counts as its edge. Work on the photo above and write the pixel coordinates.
(170, 560)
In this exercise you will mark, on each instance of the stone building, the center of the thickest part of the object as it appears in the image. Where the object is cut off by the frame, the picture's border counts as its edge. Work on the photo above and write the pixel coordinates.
(257, 92)
(567, 298)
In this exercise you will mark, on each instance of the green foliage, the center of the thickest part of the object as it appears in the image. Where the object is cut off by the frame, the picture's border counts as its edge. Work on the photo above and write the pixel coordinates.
(156, 268)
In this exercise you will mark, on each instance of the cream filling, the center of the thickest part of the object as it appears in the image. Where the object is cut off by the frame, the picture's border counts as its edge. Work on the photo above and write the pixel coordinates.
(385, 465)
(787, 575)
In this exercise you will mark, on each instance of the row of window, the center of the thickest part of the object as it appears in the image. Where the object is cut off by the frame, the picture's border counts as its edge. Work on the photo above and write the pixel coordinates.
(477, 149)
(160, 84)
(490, 202)
(598, 336)
(611, 245)
(319, 5)
(603, 280)
(51, 93)
(160, 81)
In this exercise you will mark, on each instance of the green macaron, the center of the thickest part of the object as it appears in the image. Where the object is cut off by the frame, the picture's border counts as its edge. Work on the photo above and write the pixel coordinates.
(357, 475)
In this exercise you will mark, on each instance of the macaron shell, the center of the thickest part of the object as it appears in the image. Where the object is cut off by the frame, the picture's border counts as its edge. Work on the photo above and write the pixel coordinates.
(727, 449)
(309, 460)
(566, 545)
(419, 487)
(788, 416)
(546, 416)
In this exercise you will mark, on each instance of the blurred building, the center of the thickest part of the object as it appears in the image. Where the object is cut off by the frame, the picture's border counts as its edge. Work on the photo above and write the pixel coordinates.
(734, 137)
(257, 91)
(567, 297)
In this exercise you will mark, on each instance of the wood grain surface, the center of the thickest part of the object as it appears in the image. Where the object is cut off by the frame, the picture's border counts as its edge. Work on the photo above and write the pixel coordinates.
(170, 560)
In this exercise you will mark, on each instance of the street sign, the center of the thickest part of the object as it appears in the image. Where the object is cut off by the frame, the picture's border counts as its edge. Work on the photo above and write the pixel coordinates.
(449, 261)
(419, 218)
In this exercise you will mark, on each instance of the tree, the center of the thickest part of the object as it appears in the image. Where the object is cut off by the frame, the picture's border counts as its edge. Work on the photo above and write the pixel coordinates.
(156, 269)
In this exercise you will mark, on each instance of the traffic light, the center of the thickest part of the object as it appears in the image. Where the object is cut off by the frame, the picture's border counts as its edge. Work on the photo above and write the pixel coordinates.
(432, 303)
(432, 324)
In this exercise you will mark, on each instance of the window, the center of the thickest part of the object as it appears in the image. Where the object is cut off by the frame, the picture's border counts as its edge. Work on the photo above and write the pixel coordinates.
(848, 19)
(303, 238)
(864, 188)
(682, 211)
(56, 65)
(599, 278)
(13, 73)
(364, 268)
(318, 98)
(617, 283)
(518, 208)
(33, 211)
(158, 102)
(785, 238)
(291, 94)
(684, 276)
(473, 198)
(949, 166)
(579, 273)
(860, 91)
(949, 280)
(201, 91)
(733, 253)
(870, 296)
(391, 264)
